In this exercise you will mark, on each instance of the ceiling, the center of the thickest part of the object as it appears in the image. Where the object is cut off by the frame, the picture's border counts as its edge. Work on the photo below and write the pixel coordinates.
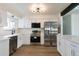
(23, 9)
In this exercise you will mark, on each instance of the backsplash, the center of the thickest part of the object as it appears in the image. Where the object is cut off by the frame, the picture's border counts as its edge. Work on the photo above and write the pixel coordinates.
(4, 32)
(24, 31)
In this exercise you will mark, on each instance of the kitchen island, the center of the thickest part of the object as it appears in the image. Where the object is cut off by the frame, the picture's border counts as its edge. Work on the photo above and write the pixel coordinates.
(5, 44)
(68, 45)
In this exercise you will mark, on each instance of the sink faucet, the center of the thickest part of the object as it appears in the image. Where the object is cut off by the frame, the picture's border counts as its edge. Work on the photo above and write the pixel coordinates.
(13, 31)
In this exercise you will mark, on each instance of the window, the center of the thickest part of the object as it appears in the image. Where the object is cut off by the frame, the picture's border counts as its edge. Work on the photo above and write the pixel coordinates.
(10, 23)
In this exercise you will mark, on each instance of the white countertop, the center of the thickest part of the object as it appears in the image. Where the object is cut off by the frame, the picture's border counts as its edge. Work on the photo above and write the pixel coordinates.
(7, 37)
(71, 38)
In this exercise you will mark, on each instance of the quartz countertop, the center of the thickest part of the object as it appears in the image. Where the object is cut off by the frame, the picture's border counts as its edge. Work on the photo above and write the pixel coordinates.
(71, 38)
(7, 37)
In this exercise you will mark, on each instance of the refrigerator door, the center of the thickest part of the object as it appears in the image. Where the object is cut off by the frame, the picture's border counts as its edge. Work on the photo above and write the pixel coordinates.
(50, 31)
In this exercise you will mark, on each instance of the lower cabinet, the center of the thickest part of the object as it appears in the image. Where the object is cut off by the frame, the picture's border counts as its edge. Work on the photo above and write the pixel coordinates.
(63, 47)
(4, 47)
(74, 49)
(66, 47)
(12, 45)
(60, 46)
(19, 41)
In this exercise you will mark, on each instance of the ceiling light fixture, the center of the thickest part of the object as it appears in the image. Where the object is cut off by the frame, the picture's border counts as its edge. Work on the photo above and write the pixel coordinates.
(38, 8)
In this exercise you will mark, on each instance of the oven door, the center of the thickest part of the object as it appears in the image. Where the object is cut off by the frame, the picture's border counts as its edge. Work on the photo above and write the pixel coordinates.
(35, 39)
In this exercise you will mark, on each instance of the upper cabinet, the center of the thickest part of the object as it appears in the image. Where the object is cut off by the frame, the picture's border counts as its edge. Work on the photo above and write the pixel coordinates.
(27, 23)
(20, 23)
(3, 18)
(23, 23)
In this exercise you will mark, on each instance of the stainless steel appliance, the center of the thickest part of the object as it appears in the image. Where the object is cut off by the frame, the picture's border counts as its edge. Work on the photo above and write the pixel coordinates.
(35, 36)
(50, 32)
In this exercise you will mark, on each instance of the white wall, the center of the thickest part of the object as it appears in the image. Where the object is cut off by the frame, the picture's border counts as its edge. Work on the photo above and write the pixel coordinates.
(67, 25)
(75, 24)
(71, 24)
(39, 19)
(61, 25)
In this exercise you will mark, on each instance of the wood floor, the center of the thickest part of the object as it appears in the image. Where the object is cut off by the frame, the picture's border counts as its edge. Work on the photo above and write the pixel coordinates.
(36, 51)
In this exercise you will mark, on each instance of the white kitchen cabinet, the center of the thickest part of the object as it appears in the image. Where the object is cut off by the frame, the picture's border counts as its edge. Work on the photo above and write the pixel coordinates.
(23, 23)
(27, 23)
(20, 23)
(67, 47)
(63, 46)
(26, 39)
(74, 49)
(16, 22)
(60, 45)
(20, 41)
(4, 47)
(3, 18)
(23, 39)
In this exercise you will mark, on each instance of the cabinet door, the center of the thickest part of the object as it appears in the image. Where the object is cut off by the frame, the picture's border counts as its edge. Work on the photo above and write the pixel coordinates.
(4, 47)
(58, 43)
(62, 47)
(19, 41)
(3, 18)
(74, 49)
(67, 48)
(21, 23)
(26, 39)
(27, 23)
(16, 23)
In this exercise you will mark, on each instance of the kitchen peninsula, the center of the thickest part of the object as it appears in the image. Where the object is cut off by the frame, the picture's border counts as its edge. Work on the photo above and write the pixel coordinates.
(68, 45)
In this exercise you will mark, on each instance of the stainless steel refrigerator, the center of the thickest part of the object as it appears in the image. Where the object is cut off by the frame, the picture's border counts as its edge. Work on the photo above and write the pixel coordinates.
(50, 32)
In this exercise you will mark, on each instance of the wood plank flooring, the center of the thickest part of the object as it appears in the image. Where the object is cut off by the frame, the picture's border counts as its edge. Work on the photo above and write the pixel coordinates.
(37, 50)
